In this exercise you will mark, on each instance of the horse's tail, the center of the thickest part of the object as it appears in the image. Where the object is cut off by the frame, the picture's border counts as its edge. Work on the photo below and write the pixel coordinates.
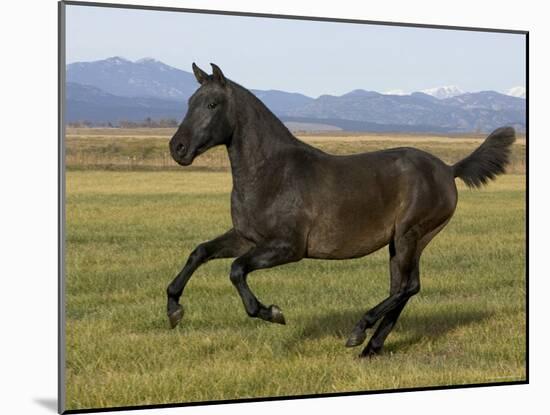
(488, 160)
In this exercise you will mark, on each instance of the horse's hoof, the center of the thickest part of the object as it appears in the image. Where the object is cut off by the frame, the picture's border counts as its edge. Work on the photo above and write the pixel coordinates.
(175, 316)
(370, 352)
(356, 339)
(276, 315)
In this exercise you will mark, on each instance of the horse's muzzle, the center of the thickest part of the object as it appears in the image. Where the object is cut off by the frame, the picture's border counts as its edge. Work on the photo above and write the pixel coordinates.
(180, 150)
(181, 154)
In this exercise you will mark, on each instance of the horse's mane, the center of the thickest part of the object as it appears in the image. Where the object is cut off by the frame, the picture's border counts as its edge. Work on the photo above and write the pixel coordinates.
(263, 121)
(261, 109)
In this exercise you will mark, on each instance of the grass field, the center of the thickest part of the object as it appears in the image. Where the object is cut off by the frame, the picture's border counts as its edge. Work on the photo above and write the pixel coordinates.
(129, 232)
(147, 149)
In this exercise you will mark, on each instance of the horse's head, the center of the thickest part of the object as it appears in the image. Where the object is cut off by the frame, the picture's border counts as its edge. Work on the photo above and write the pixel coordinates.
(208, 121)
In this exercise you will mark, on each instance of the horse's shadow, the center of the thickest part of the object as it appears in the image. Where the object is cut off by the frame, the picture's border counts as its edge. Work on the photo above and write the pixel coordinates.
(414, 327)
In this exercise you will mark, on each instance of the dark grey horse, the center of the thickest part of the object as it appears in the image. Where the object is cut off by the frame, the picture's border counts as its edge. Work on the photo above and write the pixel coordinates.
(292, 201)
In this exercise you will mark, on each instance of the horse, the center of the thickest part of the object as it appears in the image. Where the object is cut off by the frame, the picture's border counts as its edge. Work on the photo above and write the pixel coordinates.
(291, 201)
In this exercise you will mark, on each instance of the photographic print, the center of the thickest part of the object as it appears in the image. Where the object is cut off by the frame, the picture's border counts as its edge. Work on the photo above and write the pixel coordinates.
(274, 207)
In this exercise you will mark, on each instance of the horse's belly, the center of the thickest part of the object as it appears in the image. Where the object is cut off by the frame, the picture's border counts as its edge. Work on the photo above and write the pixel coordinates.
(342, 242)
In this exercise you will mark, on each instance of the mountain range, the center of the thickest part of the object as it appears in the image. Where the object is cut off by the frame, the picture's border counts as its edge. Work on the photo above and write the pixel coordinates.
(116, 89)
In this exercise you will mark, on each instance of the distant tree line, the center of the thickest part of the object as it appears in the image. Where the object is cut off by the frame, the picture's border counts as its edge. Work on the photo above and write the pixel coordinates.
(146, 123)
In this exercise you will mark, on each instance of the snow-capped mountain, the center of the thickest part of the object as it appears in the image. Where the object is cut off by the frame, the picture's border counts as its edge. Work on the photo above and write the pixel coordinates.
(116, 89)
(442, 92)
(396, 92)
(517, 91)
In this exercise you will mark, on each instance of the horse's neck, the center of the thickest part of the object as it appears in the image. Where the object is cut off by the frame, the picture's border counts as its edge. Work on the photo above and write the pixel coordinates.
(259, 138)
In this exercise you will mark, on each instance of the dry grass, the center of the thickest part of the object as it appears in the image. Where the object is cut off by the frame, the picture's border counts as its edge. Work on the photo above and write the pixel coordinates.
(147, 149)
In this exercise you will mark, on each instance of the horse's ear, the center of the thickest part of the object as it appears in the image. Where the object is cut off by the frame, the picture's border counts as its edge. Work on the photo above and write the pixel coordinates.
(218, 74)
(199, 74)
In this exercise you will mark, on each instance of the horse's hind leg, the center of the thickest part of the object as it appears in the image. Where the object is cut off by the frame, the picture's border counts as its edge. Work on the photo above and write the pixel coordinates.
(398, 282)
(377, 340)
(228, 245)
(405, 284)
(386, 325)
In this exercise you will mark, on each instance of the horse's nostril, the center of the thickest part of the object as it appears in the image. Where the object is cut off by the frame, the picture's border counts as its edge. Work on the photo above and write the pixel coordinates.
(180, 149)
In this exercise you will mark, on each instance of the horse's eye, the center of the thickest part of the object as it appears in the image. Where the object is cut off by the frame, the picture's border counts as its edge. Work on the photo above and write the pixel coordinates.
(212, 105)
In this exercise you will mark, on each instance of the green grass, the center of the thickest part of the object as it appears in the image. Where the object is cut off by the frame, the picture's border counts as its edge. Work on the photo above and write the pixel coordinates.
(128, 234)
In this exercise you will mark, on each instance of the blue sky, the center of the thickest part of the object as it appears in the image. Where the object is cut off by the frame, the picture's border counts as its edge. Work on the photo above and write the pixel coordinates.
(313, 58)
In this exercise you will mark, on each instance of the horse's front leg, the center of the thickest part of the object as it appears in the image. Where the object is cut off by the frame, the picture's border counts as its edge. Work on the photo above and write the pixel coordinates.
(260, 257)
(228, 245)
